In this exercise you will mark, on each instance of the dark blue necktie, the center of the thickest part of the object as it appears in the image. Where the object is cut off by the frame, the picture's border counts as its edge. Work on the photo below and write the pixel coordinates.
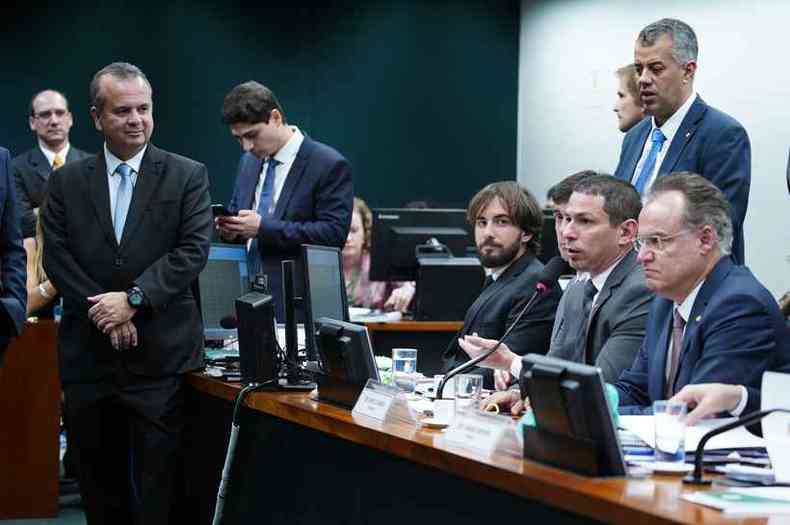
(264, 209)
(650, 162)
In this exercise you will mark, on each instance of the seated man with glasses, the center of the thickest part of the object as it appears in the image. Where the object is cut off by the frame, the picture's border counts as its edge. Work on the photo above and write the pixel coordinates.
(712, 321)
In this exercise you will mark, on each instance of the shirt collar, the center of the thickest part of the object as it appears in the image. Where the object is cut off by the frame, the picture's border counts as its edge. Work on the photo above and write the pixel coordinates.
(599, 280)
(113, 161)
(684, 308)
(50, 155)
(672, 124)
(291, 148)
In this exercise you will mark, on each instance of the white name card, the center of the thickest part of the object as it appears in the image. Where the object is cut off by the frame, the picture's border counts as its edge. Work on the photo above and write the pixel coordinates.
(383, 403)
(483, 433)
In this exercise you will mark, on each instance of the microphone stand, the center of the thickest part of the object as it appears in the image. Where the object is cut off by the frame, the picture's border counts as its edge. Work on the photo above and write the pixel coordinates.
(696, 477)
(541, 289)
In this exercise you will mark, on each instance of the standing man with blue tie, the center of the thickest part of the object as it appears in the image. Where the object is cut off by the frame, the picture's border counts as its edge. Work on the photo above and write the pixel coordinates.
(684, 133)
(128, 232)
(290, 189)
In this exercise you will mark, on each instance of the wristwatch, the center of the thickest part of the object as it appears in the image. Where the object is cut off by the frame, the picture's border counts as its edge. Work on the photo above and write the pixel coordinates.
(135, 297)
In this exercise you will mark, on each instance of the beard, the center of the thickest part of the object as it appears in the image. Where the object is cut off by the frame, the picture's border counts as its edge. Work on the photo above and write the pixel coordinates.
(499, 258)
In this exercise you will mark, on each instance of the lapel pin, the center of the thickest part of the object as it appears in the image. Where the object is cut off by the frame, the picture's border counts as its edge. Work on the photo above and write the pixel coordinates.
(698, 318)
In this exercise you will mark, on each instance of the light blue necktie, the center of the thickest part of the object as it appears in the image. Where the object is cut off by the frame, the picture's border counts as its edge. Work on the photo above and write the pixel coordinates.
(264, 210)
(123, 197)
(650, 162)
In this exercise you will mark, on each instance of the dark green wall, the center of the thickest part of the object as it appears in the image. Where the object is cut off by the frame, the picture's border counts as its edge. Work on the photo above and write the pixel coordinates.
(420, 96)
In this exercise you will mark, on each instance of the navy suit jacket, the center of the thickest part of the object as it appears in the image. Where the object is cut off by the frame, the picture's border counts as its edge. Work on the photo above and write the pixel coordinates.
(314, 207)
(709, 143)
(13, 294)
(31, 171)
(735, 332)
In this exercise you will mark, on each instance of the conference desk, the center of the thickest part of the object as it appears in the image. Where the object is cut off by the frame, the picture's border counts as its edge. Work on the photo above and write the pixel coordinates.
(430, 338)
(303, 461)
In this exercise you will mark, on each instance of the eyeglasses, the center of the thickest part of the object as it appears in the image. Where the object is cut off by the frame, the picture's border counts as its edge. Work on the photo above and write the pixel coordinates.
(655, 243)
(46, 115)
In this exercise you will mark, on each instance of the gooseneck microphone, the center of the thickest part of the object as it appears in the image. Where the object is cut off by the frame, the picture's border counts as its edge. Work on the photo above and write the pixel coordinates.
(551, 272)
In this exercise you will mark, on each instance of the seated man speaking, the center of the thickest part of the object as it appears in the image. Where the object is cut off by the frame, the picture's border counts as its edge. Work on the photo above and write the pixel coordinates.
(601, 318)
(508, 224)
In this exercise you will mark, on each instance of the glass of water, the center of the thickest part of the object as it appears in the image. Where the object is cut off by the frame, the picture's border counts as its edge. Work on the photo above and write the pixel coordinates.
(404, 368)
(467, 391)
(670, 431)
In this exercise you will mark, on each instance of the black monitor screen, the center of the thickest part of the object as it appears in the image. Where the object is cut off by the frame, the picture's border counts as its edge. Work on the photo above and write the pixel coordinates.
(325, 289)
(548, 241)
(222, 281)
(398, 231)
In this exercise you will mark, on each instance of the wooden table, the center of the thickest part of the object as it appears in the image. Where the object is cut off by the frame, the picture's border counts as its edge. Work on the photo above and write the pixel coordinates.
(412, 472)
(30, 411)
(430, 338)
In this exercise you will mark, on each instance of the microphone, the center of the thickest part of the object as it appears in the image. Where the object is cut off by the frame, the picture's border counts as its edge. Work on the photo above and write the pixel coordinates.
(696, 477)
(229, 322)
(556, 267)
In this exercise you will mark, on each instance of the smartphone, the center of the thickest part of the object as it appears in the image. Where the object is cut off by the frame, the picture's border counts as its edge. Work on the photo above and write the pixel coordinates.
(219, 210)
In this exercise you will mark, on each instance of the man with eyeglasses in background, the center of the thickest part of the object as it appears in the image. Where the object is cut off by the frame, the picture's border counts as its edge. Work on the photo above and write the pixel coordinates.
(712, 321)
(50, 119)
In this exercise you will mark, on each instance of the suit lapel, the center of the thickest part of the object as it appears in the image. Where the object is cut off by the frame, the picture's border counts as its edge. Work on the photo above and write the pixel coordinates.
(147, 181)
(683, 136)
(493, 289)
(294, 176)
(614, 280)
(100, 195)
(252, 172)
(40, 163)
(636, 152)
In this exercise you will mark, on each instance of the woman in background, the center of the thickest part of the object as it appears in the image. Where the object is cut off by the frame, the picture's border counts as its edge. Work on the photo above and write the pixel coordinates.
(394, 296)
(41, 293)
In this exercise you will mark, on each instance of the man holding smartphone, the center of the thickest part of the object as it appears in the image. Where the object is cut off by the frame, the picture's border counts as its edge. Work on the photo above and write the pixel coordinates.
(290, 190)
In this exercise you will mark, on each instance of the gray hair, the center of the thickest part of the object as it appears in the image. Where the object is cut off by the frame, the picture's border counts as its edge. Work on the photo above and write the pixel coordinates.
(118, 70)
(684, 41)
(705, 204)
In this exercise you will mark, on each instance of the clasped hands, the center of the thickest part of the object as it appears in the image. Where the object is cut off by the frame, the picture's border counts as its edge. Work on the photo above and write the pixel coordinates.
(112, 314)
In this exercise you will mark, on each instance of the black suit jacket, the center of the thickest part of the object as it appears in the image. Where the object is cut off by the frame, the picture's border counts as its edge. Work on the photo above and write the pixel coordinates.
(314, 207)
(31, 172)
(163, 249)
(497, 307)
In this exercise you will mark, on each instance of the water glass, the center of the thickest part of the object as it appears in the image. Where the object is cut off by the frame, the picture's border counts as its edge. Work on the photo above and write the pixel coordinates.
(467, 391)
(670, 431)
(404, 368)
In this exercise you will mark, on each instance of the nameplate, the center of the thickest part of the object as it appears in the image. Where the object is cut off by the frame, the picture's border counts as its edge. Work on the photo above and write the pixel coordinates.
(484, 433)
(383, 403)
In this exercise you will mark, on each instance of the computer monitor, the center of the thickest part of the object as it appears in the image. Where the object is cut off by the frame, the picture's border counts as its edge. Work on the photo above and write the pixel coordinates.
(574, 428)
(222, 280)
(324, 289)
(347, 360)
(398, 231)
(548, 241)
(258, 355)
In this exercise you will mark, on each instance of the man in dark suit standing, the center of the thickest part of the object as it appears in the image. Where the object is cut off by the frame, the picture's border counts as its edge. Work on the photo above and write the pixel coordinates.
(13, 297)
(684, 133)
(290, 189)
(127, 232)
(508, 224)
(601, 317)
(50, 119)
(712, 322)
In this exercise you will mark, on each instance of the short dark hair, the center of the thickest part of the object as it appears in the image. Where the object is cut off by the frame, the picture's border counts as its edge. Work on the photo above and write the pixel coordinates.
(522, 208)
(621, 201)
(684, 40)
(118, 70)
(705, 204)
(250, 103)
(560, 193)
(34, 97)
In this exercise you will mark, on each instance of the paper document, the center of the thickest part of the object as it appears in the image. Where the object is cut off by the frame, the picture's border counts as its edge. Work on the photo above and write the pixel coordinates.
(745, 501)
(776, 427)
(642, 426)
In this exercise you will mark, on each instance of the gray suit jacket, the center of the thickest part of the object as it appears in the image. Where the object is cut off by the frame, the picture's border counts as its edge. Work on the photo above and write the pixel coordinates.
(617, 322)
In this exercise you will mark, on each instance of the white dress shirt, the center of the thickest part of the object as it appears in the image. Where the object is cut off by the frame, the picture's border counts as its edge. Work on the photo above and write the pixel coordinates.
(669, 129)
(50, 155)
(114, 179)
(285, 157)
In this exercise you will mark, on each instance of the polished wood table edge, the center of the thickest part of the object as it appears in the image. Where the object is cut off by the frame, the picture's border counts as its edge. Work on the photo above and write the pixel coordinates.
(615, 500)
(416, 326)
